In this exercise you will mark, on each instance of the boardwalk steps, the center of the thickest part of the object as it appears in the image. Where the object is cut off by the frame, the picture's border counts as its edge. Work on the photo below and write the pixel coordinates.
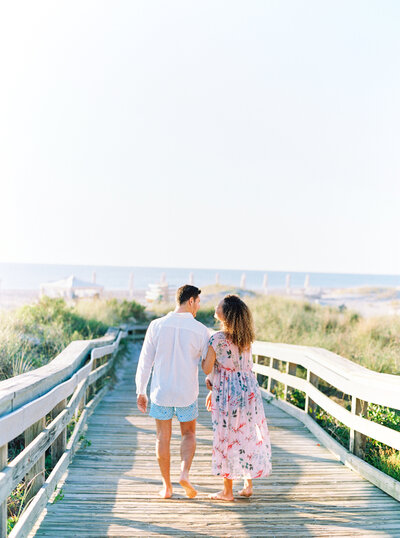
(111, 486)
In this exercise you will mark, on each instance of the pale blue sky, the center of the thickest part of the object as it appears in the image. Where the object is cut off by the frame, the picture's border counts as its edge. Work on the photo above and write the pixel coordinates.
(249, 135)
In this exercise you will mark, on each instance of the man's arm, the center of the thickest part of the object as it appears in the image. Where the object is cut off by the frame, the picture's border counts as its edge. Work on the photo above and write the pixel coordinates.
(207, 363)
(206, 339)
(145, 364)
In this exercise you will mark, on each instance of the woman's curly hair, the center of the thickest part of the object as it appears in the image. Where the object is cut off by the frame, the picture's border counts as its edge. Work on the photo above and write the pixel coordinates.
(238, 323)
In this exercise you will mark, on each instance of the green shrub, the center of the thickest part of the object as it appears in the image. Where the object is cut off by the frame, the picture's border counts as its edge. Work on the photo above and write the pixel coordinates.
(34, 334)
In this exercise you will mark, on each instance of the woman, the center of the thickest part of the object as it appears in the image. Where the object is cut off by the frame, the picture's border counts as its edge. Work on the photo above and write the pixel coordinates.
(241, 446)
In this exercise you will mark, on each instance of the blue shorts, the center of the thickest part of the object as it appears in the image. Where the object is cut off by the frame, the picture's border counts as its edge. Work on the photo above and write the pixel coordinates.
(183, 414)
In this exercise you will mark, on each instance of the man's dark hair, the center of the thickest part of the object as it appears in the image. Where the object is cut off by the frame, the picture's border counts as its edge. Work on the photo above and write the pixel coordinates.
(184, 293)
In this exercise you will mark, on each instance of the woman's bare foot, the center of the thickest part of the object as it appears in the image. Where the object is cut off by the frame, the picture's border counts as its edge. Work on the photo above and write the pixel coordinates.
(187, 486)
(166, 492)
(246, 492)
(221, 496)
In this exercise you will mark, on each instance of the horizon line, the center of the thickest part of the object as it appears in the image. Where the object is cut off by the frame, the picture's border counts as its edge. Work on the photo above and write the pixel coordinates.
(200, 268)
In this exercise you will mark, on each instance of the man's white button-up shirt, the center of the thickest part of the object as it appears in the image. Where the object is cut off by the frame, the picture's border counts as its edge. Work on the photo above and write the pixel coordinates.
(173, 347)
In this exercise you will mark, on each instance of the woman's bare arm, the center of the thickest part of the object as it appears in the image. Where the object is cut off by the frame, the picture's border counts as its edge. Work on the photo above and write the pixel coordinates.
(207, 364)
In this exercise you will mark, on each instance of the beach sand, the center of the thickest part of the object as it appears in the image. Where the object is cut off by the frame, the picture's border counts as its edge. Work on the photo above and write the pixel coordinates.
(11, 299)
(369, 302)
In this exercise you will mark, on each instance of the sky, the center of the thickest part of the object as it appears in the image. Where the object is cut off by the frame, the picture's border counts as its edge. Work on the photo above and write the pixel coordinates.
(233, 134)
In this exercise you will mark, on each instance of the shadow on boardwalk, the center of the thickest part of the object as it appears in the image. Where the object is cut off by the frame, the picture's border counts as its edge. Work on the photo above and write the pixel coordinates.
(112, 485)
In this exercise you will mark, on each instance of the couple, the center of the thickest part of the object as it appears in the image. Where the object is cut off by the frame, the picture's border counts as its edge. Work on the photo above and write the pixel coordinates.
(173, 347)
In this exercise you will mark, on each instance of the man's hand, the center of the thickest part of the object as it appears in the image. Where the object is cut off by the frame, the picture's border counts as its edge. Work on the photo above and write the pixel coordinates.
(142, 403)
(208, 401)
(208, 384)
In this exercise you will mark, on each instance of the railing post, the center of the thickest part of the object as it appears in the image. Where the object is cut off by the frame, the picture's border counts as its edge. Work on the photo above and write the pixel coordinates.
(36, 474)
(80, 407)
(310, 406)
(60, 444)
(291, 369)
(357, 440)
(255, 361)
(3, 507)
(90, 390)
(269, 384)
(273, 363)
(101, 362)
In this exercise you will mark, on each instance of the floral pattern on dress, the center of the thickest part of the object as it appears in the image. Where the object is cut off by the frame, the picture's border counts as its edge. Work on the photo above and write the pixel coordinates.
(241, 444)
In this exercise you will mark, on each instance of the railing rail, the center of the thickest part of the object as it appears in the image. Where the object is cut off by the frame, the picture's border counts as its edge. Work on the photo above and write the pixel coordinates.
(25, 402)
(280, 362)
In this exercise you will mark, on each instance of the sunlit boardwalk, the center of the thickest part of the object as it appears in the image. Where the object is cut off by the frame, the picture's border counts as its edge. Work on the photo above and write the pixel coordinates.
(112, 484)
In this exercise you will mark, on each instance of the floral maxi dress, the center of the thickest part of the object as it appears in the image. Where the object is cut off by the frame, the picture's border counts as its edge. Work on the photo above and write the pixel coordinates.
(241, 446)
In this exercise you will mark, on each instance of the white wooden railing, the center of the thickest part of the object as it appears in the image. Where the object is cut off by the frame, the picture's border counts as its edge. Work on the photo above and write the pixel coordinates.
(280, 362)
(68, 388)
(65, 390)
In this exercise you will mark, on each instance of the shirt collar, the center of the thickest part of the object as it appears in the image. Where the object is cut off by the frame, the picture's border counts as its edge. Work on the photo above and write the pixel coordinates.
(181, 314)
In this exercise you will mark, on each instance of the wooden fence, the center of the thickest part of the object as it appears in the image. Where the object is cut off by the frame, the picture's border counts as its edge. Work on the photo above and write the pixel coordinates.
(318, 374)
(40, 406)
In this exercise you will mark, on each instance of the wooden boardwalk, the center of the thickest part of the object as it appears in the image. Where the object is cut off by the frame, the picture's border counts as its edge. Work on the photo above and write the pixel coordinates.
(112, 485)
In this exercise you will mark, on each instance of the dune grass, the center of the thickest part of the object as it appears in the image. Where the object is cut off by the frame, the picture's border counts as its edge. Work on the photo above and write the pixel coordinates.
(34, 334)
(371, 342)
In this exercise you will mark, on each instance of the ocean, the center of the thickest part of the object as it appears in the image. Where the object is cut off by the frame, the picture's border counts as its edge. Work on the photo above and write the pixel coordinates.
(21, 276)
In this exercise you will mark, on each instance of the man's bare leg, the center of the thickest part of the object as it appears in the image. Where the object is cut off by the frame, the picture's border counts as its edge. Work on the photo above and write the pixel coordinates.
(188, 448)
(164, 428)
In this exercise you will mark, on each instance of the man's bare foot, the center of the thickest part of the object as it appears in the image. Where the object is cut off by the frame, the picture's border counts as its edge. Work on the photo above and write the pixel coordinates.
(166, 492)
(221, 496)
(189, 489)
(246, 492)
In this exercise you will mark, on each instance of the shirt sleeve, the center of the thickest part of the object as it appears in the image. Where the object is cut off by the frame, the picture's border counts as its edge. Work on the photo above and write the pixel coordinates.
(146, 361)
(213, 341)
(204, 344)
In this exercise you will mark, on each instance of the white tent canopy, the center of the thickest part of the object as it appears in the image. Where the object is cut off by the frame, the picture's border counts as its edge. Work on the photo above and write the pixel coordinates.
(70, 288)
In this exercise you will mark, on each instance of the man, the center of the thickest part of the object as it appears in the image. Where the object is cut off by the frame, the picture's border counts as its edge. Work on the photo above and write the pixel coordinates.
(173, 347)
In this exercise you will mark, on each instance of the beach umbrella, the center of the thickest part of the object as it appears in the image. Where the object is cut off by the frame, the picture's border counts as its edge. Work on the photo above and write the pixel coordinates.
(70, 288)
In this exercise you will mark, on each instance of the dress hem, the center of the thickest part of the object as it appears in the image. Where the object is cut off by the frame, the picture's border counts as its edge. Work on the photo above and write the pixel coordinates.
(242, 476)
